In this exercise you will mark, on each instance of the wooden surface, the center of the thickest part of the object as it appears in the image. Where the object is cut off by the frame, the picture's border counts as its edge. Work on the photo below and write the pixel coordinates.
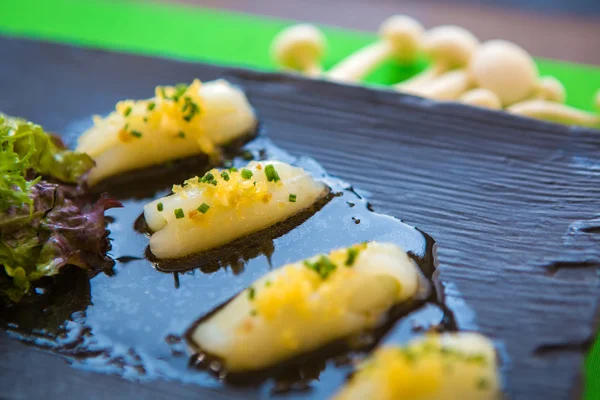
(562, 30)
(511, 202)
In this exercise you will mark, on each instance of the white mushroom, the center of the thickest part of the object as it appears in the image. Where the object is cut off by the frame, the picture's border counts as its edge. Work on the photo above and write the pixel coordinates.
(448, 47)
(555, 112)
(481, 98)
(300, 48)
(550, 110)
(505, 69)
(551, 89)
(400, 37)
(448, 86)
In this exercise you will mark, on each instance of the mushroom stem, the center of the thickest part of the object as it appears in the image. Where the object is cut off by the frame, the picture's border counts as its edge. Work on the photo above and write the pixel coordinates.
(448, 86)
(400, 37)
(306, 65)
(448, 47)
(361, 63)
(314, 71)
(555, 112)
(481, 98)
(422, 78)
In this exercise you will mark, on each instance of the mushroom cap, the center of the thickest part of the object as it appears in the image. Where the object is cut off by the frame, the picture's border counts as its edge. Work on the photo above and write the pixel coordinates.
(451, 45)
(405, 35)
(505, 69)
(551, 89)
(481, 98)
(298, 46)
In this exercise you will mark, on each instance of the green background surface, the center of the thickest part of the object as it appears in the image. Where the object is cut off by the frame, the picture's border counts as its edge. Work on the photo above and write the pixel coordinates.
(198, 34)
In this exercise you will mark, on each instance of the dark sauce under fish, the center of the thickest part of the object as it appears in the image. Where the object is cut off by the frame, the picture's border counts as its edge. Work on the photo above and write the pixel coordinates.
(132, 323)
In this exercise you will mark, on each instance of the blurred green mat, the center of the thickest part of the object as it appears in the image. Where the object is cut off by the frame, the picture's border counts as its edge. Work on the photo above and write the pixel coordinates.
(198, 34)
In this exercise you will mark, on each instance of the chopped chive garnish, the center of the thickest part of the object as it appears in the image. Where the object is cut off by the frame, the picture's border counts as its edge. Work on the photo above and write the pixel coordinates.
(482, 384)
(271, 173)
(409, 354)
(151, 106)
(136, 134)
(477, 358)
(352, 254)
(246, 173)
(207, 178)
(253, 313)
(251, 293)
(180, 89)
(163, 93)
(225, 175)
(292, 198)
(160, 207)
(247, 155)
(145, 119)
(179, 213)
(323, 266)
(233, 169)
(190, 107)
(203, 208)
(267, 283)
(127, 111)
(181, 134)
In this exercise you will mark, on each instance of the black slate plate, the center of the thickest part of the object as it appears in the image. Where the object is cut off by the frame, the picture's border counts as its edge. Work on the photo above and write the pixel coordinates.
(513, 203)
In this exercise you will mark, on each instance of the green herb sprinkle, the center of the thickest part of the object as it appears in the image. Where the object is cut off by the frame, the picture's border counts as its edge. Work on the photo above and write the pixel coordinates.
(323, 266)
(271, 173)
(246, 174)
(179, 213)
(203, 208)
(351, 258)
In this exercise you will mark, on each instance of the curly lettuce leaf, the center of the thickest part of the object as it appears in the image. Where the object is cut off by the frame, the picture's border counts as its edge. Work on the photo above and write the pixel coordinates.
(64, 229)
(29, 152)
(45, 224)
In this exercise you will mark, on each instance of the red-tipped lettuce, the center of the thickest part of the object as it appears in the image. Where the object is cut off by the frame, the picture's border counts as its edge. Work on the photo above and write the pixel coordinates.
(45, 225)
